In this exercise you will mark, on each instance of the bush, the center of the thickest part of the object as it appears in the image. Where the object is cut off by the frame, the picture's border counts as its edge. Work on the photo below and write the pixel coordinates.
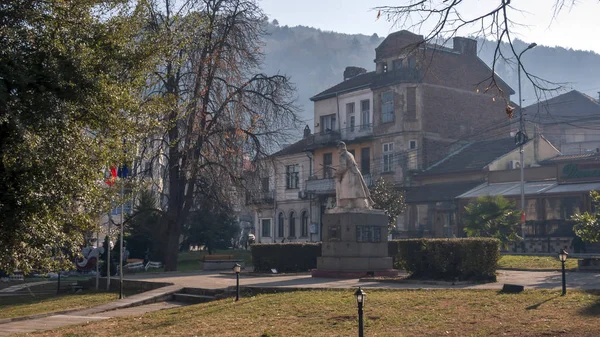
(285, 257)
(473, 259)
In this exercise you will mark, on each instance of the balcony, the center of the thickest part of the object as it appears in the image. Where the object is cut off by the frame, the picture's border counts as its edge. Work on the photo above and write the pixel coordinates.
(260, 197)
(356, 132)
(328, 137)
(327, 185)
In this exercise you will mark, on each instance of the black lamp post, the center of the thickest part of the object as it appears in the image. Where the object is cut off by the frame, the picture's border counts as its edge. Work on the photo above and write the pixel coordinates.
(562, 256)
(236, 269)
(361, 296)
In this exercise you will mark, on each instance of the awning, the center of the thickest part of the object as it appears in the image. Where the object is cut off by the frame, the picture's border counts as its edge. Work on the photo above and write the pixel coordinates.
(508, 189)
(531, 188)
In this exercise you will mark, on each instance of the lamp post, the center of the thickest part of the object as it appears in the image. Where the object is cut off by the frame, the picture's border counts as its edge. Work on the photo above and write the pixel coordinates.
(360, 300)
(236, 270)
(562, 256)
(521, 138)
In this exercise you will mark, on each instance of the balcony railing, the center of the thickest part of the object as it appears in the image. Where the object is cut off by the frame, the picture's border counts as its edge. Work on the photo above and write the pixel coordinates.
(358, 131)
(327, 185)
(260, 197)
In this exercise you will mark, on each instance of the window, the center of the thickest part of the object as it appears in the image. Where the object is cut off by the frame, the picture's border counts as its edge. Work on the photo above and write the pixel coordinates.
(292, 176)
(264, 184)
(327, 162)
(280, 232)
(365, 113)
(365, 160)
(327, 123)
(398, 64)
(266, 228)
(387, 107)
(352, 123)
(412, 144)
(411, 103)
(368, 234)
(304, 224)
(412, 62)
(292, 224)
(350, 108)
(388, 157)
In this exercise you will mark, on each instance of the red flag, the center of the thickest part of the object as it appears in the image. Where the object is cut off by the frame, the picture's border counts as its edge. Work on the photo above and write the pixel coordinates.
(111, 176)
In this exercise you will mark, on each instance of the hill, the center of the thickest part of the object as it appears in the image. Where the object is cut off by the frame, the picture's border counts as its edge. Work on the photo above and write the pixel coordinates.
(315, 60)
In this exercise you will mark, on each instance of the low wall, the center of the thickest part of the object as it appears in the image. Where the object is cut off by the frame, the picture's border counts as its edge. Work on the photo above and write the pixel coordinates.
(540, 245)
(127, 284)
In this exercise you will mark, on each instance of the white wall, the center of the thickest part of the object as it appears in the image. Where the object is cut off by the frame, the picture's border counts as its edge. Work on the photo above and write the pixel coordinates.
(355, 97)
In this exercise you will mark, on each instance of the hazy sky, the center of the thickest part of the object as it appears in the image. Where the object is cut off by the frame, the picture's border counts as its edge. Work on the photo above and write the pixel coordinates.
(577, 27)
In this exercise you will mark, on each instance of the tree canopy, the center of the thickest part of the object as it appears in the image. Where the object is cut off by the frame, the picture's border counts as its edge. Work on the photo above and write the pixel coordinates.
(587, 225)
(69, 94)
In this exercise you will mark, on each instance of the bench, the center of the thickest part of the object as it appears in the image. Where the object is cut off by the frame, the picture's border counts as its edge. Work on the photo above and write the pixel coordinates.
(134, 266)
(152, 264)
(219, 262)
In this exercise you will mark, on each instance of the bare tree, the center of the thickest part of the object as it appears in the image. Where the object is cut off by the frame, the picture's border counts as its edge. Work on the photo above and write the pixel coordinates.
(495, 20)
(220, 111)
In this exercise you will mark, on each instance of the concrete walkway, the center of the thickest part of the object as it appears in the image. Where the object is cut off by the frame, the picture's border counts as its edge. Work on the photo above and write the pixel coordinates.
(21, 286)
(59, 321)
(529, 279)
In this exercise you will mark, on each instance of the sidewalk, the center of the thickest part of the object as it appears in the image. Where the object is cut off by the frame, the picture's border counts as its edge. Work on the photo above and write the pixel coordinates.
(529, 279)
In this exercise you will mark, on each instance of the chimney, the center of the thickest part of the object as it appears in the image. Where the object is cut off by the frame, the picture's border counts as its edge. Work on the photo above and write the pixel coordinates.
(350, 72)
(465, 46)
(598, 96)
(306, 132)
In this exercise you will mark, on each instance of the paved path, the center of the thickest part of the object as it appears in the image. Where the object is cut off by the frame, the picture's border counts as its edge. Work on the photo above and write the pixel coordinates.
(20, 286)
(58, 321)
(213, 280)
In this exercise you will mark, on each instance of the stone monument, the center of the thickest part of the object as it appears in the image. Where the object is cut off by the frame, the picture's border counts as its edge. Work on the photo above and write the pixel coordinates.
(354, 234)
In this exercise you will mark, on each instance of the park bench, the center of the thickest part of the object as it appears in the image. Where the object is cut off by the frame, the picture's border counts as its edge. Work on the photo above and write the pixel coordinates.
(152, 264)
(135, 266)
(219, 262)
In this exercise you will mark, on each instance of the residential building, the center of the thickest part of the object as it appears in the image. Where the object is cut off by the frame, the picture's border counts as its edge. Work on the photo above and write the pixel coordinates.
(420, 103)
(432, 205)
(571, 121)
(282, 209)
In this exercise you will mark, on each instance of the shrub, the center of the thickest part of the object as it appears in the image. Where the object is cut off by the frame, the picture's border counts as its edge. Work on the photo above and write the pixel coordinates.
(447, 259)
(285, 257)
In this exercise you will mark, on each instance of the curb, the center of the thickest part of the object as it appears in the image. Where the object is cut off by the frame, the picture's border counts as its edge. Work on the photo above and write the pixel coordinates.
(423, 282)
(537, 270)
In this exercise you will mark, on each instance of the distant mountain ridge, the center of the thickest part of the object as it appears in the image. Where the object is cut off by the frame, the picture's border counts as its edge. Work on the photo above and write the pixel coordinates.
(315, 60)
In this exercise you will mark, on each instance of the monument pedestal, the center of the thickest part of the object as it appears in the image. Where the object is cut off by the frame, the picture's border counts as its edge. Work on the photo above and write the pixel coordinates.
(354, 245)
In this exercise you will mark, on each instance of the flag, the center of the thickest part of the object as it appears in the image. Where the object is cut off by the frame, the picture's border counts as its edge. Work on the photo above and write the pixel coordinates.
(123, 171)
(110, 176)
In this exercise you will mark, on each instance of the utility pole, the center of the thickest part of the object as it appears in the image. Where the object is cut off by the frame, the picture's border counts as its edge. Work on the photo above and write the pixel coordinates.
(522, 139)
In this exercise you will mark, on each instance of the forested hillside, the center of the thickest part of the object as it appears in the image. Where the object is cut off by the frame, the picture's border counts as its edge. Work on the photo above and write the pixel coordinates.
(316, 60)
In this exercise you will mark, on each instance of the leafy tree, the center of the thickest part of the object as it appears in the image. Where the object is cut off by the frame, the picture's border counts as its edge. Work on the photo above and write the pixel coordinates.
(220, 109)
(492, 216)
(587, 225)
(143, 229)
(69, 94)
(212, 225)
(389, 199)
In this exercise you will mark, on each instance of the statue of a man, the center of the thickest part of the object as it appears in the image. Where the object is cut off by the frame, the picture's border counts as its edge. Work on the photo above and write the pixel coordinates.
(350, 187)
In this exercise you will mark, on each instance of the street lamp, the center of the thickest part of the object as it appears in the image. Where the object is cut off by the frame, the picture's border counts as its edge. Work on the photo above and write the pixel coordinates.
(562, 256)
(521, 137)
(361, 296)
(236, 269)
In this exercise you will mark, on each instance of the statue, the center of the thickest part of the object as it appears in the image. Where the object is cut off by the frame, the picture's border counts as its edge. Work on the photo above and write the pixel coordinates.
(350, 188)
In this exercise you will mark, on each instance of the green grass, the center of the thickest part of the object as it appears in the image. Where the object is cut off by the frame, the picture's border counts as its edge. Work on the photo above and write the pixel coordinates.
(534, 262)
(26, 305)
(387, 313)
(190, 261)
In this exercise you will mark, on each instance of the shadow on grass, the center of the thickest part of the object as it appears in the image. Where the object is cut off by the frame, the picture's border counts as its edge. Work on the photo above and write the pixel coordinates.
(592, 309)
(536, 306)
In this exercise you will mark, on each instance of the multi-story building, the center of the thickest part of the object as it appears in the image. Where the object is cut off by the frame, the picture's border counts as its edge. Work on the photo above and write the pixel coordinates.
(571, 121)
(282, 208)
(420, 103)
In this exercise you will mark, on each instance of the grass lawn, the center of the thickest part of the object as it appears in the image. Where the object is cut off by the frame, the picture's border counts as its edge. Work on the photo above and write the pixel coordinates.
(26, 305)
(534, 262)
(387, 313)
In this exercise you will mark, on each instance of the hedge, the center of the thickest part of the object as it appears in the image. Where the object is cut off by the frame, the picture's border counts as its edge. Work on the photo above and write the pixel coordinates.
(285, 257)
(440, 259)
(473, 259)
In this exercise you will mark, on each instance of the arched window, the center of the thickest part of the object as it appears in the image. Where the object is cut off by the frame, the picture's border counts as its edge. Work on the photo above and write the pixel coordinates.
(292, 224)
(280, 225)
(304, 224)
